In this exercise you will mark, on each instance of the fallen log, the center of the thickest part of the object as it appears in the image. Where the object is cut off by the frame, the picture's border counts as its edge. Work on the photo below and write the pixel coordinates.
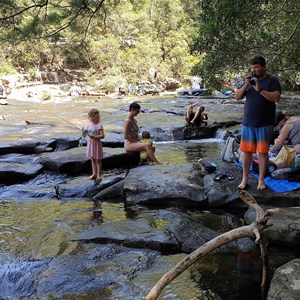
(254, 230)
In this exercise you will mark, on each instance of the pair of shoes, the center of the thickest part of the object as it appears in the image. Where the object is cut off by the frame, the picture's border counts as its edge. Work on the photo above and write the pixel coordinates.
(228, 175)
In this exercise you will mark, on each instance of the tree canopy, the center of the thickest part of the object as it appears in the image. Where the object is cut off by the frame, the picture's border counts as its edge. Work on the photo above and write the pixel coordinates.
(232, 32)
(114, 39)
(122, 39)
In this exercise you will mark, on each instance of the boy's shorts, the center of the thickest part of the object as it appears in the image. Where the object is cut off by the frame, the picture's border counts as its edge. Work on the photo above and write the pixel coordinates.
(256, 139)
(143, 155)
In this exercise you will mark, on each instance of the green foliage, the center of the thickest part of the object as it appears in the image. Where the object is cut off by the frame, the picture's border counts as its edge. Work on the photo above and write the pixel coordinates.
(232, 32)
(124, 38)
(119, 39)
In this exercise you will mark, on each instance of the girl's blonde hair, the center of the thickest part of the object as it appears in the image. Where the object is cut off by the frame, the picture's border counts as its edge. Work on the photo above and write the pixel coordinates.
(93, 111)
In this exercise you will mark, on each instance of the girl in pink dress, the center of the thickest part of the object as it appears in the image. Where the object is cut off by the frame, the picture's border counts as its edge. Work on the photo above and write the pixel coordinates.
(94, 132)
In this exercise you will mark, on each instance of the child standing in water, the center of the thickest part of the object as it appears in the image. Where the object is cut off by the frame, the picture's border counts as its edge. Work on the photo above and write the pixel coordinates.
(95, 132)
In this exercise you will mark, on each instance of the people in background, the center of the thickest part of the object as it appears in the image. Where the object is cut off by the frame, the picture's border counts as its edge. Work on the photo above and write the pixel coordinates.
(290, 134)
(195, 114)
(75, 90)
(196, 82)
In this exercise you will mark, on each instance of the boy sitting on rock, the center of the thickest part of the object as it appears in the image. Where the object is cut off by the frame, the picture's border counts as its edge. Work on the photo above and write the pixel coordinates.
(146, 140)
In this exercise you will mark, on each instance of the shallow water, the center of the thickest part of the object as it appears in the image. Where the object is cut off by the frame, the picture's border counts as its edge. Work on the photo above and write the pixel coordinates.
(32, 233)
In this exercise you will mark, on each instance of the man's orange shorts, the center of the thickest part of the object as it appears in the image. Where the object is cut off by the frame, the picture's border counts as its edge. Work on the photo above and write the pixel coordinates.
(256, 139)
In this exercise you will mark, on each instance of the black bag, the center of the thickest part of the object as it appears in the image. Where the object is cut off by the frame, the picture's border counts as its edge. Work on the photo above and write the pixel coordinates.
(209, 166)
(270, 168)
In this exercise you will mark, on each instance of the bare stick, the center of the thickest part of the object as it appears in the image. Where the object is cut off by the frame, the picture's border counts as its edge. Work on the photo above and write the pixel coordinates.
(253, 230)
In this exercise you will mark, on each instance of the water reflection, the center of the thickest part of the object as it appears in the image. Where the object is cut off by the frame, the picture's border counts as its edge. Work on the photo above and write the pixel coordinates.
(187, 151)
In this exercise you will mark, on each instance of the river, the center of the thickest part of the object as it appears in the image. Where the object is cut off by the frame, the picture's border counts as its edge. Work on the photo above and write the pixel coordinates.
(37, 236)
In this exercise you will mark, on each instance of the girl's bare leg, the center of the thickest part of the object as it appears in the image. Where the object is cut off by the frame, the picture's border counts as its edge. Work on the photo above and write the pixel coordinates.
(99, 168)
(94, 168)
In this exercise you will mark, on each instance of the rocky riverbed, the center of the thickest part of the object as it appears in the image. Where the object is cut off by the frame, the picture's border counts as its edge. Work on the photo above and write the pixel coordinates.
(64, 236)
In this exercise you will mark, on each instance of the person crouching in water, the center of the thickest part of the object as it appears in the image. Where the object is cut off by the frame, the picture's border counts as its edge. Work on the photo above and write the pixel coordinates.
(195, 117)
(94, 132)
(146, 139)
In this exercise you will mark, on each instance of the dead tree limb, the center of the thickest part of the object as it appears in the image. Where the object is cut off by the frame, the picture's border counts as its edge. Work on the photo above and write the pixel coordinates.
(253, 230)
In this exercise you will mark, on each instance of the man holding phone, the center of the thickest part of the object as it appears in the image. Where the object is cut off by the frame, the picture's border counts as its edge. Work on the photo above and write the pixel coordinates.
(262, 92)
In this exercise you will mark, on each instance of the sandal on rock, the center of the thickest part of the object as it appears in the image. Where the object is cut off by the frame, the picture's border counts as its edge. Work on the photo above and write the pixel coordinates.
(219, 176)
(229, 176)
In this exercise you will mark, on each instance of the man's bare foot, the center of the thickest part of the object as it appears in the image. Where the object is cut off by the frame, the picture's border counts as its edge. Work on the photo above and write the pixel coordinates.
(243, 185)
(93, 177)
(261, 186)
(164, 163)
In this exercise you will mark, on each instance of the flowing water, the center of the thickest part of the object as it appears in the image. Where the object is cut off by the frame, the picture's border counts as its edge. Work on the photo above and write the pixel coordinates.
(37, 236)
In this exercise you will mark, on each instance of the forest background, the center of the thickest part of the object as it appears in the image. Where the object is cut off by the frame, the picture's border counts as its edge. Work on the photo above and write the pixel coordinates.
(121, 40)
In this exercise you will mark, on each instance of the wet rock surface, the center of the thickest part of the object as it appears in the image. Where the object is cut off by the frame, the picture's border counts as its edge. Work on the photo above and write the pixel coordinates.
(166, 231)
(104, 271)
(171, 133)
(84, 188)
(223, 192)
(164, 184)
(286, 282)
(74, 161)
(32, 146)
(11, 172)
(285, 227)
(39, 188)
(137, 233)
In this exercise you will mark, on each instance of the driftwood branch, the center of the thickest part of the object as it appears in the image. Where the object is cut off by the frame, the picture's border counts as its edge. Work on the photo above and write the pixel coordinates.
(253, 230)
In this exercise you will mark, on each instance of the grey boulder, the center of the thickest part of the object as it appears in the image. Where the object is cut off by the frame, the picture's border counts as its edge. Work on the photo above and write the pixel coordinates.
(285, 284)
(285, 229)
(11, 172)
(165, 184)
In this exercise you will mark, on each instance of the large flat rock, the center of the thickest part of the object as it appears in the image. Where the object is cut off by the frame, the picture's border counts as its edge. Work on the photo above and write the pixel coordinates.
(34, 145)
(13, 172)
(285, 229)
(285, 284)
(223, 192)
(166, 231)
(165, 184)
(132, 233)
(84, 188)
(75, 162)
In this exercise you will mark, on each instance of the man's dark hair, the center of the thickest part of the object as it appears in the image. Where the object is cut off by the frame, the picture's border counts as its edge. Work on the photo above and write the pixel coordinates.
(258, 60)
(134, 106)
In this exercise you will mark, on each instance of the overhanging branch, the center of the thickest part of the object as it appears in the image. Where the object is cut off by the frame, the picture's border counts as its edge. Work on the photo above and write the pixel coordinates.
(253, 230)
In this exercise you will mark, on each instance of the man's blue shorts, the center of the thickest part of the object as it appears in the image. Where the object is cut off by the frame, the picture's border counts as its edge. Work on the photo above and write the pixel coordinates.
(256, 139)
